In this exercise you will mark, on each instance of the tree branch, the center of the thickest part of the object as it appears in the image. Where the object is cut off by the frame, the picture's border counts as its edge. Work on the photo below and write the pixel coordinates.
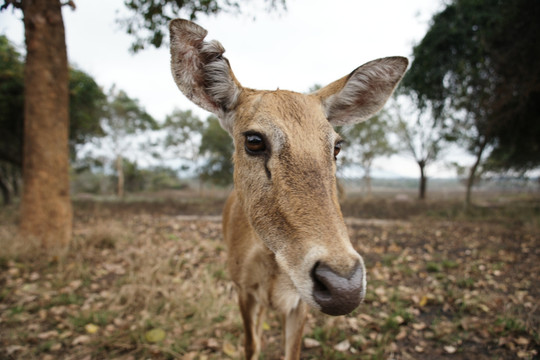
(17, 4)
(71, 4)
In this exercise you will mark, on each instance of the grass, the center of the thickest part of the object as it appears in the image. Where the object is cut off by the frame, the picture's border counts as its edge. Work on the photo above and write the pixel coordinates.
(463, 284)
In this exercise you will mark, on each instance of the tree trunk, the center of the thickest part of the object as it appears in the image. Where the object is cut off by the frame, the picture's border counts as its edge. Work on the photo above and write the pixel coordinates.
(366, 165)
(472, 173)
(46, 212)
(15, 180)
(5, 191)
(367, 184)
(120, 173)
(423, 180)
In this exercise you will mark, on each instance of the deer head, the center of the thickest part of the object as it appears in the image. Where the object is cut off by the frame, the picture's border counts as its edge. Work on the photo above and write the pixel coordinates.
(285, 150)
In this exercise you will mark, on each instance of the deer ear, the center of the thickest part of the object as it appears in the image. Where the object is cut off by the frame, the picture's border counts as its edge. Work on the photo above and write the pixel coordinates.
(200, 70)
(363, 92)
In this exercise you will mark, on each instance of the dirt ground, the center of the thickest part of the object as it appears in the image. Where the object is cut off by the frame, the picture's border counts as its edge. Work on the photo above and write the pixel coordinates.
(146, 279)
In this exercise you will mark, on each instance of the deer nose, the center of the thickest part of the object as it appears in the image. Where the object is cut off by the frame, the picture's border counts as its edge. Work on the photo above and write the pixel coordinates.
(335, 294)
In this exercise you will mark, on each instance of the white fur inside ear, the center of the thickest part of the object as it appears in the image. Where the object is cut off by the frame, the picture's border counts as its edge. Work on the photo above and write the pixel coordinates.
(365, 92)
(218, 79)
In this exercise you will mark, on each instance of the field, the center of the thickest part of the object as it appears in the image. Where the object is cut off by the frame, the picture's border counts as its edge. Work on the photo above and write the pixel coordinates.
(145, 279)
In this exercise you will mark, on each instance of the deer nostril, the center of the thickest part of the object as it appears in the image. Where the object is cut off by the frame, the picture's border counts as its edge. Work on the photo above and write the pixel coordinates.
(335, 294)
(319, 282)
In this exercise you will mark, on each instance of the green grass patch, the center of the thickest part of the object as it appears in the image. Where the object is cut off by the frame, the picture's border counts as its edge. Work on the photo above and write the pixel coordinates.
(433, 267)
(510, 325)
(16, 310)
(99, 318)
(449, 264)
(66, 299)
(466, 283)
(388, 259)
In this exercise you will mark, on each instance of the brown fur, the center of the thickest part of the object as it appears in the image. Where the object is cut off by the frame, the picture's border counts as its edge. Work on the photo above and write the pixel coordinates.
(295, 210)
(283, 219)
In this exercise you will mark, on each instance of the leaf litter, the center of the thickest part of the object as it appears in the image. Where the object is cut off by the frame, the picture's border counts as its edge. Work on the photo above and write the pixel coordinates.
(155, 286)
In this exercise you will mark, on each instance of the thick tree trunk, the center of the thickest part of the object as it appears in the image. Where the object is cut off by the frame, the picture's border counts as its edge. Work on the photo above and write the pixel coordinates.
(423, 180)
(46, 212)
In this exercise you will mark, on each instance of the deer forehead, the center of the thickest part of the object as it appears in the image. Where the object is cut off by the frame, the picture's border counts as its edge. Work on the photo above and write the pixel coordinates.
(287, 119)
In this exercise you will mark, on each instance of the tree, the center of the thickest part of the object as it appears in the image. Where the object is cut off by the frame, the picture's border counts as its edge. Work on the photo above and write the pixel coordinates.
(11, 102)
(183, 135)
(478, 61)
(124, 119)
(420, 136)
(86, 101)
(150, 18)
(514, 51)
(86, 109)
(367, 141)
(45, 205)
(217, 146)
(11, 117)
(86, 105)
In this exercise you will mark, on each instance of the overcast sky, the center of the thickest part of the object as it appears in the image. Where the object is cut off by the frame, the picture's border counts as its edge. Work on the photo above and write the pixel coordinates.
(312, 42)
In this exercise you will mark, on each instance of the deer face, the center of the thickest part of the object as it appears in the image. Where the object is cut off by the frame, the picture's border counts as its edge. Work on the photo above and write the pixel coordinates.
(285, 149)
(285, 178)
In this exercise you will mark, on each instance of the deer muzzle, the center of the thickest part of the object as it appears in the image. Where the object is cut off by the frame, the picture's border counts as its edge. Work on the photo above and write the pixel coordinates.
(337, 294)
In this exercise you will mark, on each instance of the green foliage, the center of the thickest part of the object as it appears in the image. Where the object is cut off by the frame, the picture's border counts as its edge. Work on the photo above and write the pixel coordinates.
(181, 126)
(183, 135)
(149, 18)
(11, 117)
(367, 141)
(478, 65)
(517, 99)
(217, 146)
(93, 180)
(156, 178)
(87, 107)
(125, 116)
(11, 102)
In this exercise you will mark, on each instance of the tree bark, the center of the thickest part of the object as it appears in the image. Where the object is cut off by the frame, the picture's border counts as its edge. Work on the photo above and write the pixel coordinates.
(120, 173)
(15, 180)
(5, 191)
(472, 173)
(423, 180)
(46, 212)
(366, 165)
(367, 184)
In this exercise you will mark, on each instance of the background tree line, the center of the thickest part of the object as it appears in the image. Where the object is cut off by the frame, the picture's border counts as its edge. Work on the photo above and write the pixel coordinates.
(104, 128)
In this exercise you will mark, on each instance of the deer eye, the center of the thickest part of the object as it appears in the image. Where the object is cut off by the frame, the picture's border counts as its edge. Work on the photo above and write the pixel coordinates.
(337, 149)
(254, 144)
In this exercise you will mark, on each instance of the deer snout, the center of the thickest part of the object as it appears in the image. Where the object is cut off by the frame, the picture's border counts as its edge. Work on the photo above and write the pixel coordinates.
(334, 293)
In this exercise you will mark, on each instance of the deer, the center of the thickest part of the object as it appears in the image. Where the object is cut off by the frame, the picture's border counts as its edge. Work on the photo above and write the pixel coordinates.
(288, 248)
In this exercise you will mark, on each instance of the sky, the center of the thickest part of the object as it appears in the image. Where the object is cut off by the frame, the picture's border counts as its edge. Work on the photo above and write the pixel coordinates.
(311, 42)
